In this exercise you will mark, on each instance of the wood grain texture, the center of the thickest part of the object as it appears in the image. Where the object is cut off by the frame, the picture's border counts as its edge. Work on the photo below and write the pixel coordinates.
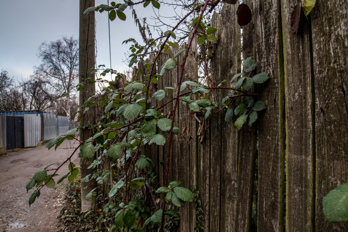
(271, 145)
(229, 40)
(216, 139)
(329, 21)
(299, 124)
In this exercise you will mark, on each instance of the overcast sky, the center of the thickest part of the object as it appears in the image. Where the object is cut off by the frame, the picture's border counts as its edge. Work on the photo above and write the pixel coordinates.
(25, 24)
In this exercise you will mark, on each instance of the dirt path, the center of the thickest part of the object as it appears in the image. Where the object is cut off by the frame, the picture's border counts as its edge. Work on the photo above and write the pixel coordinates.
(16, 169)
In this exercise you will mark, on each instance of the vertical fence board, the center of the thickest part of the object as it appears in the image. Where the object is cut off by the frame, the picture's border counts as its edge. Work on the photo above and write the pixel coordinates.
(266, 16)
(229, 40)
(299, 124)
(216, 138)
(330, 62)
(204, 168)
(193, 75)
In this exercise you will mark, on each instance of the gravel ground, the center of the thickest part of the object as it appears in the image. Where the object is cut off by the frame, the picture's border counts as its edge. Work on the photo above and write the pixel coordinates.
(17, 167)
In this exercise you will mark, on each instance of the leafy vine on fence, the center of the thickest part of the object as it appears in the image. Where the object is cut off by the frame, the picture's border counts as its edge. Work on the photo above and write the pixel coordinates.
(128, 123)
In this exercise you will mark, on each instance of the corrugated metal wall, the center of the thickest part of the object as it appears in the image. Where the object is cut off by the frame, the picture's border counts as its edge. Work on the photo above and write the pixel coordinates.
(32, 130)
(50, 126)
(63, 124)
(2, 134)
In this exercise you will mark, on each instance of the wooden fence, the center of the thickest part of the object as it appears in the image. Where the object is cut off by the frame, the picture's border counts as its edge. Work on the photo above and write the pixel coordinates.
(282, 167)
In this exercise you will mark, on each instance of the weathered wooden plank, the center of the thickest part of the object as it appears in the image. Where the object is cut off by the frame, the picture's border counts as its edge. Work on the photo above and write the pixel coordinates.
(216, 138)
(183, 156)
(267, 47)
(193, 75)
(299, 124)
(330, 62)
(229, 41)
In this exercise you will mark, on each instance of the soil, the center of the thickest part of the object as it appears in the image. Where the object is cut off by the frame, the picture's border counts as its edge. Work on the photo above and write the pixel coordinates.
(17, 167)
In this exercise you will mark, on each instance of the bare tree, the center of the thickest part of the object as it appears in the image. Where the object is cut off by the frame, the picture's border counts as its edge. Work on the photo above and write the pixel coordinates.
(10, 95)
(37, 93)
(59, 67)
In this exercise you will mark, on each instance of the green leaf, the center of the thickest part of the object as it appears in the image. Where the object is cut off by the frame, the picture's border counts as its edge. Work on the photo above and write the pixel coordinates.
(30, 184)
(173, 184)
(249, 101)
(149, 128)
(128, 88)
(236, 76)
(162, 190)
(116, 187)
(335, 204)
(252, 118)
(211, 30)
(156, 4)
(122, 7)
(239, 83)
(51, 183)
(164, 124)
(173, 45)
(170, 64)
(146, 3)
(121, 110)
(89, 10)
(119, 218)
(248, 83)
(260, 77)
(192, 83)
(201, 40)
(159, 95)
(240, 121)
(129, 217)
(73, 174)
(157, 217)
(259, 105)
(112, 15)
(176, 201)
(143, 163)
(229, 115)
(89, 195)
(307, 6)
(153, 112)
(184, 194)
(158, 139)
(87, 151)
(108, 107)
(194, 107)
(183, 87)
(240, 109)
(71, 166)
(206, 115)
(186, 99)
(204, 102)
(33, 196)
(132, 111)
(53, 142)
(115, 152)
(63, 178)
(137, 85)
(40, 176)
(176, 130)
(249, 65)
(169, 197)
(211, 38)
(179, 53)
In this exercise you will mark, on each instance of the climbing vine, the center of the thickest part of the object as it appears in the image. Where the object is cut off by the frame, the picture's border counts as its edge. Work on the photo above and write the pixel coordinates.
(131, 119)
